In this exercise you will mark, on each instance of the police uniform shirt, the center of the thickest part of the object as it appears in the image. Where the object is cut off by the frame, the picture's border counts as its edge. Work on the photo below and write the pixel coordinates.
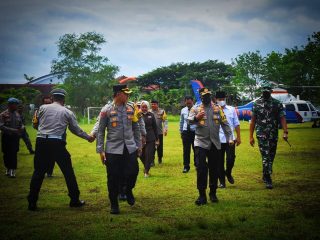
(122, 129)
(233, 120)
(184, 120)
(207, 130)
(10, 121)
(54, 120)
(161, 119)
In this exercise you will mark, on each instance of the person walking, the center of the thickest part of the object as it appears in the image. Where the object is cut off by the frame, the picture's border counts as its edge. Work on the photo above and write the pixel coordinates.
(208, 117)
(119, 153)
(187, 132)
(267, 114)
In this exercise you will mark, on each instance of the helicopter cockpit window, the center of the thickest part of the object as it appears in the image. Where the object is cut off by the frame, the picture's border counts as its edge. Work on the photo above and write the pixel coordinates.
(290, 107)
(302, 107)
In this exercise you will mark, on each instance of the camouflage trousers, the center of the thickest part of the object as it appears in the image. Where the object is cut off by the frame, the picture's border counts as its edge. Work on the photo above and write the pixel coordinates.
(268, 148)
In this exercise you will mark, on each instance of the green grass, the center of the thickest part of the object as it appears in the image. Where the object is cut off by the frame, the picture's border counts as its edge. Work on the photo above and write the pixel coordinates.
(165, 206)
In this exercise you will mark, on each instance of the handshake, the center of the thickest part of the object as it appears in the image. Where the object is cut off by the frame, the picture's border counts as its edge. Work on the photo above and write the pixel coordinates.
(91, 138)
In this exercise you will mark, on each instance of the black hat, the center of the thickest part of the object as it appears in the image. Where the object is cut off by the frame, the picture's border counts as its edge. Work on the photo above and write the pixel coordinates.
(59, 91)
(154, 101)
(121, 88)
(204, 91)
(220, 94)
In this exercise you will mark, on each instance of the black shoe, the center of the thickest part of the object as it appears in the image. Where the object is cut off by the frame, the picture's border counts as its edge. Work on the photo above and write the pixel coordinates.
(268, 181)
(186, 169)
(122, 197)
(77, 204)
(32, 152)
(264, 178)
(222, 185)
(269, 185)
(32, 207)
(230, 179)
(130, 198)
(202, 200)
(160, 160)
(152, 164)
(213, 197)
(114, 210)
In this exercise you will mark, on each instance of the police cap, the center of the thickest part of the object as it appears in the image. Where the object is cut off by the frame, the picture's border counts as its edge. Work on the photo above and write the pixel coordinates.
(59, 91)
(13, 100)
(220, 94)
(204, 91)
(121, 88)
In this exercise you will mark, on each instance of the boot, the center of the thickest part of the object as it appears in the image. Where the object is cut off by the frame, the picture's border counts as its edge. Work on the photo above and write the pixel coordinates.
(213, 196)
(32, 204)
(114, 206)
(130, 198)
(202, 199)
(268, 181)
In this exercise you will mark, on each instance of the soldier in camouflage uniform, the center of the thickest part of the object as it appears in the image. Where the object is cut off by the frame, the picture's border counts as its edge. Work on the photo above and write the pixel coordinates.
(267, 113)
(208, 118)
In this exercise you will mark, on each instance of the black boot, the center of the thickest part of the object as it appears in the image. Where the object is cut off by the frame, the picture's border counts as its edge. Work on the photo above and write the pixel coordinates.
(130, 198)
(77, 203)
(268, 181)
(114, 207)
(213, 196)
(202, 199)
(229, 177)
(32, 206)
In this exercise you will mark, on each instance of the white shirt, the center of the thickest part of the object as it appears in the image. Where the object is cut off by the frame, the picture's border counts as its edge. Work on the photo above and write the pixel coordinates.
(233, 121)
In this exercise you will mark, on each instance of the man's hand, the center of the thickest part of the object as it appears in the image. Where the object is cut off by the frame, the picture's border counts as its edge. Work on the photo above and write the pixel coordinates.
(285, 136)
(200, 115)
(91, 138)
(139, 152)
(103, 158)
(165, 132)
(231, 142)
(238, 141)
(143, 140)
(157, 143)
(252, 141)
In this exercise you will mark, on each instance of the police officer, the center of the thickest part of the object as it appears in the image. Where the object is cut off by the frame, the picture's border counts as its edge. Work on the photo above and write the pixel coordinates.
(226, 149)
(53, 119)
(187, 132)
(208, 117)
(162, 124)
(266, 114)
(137, 112)
(25, 136)
(123, 140)
(11, 127)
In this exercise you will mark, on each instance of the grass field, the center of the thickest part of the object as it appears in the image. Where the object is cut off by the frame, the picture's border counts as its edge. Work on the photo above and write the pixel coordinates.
(165, 206)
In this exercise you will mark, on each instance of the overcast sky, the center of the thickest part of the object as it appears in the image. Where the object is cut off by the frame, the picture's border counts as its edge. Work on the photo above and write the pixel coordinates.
(143, 35)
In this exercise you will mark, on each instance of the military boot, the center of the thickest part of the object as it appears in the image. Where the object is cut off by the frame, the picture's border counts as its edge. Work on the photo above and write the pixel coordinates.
(268, 181)
(202, 199)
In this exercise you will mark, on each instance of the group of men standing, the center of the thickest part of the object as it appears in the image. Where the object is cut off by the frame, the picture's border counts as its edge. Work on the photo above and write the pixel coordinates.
(207, 127)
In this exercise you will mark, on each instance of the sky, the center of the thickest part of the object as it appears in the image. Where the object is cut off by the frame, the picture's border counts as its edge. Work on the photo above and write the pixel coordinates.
(143, 35)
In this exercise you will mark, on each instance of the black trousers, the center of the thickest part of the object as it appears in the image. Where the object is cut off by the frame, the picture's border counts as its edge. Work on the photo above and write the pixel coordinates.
(122, 169)
(147, 156)
(48, 151)
(207, 162)
(10, 149)
(25, 137)
(160, 147)
(229, 152)
(188, 142)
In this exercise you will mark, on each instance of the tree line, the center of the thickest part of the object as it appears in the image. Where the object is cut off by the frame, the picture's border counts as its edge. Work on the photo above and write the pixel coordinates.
(89, 76)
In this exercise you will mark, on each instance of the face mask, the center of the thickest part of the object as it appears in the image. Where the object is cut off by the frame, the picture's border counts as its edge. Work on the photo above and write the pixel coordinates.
(206, 99)
(221, 103)
(266, 95)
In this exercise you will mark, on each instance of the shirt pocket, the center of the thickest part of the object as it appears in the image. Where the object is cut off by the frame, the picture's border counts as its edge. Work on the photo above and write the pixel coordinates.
(130, 114)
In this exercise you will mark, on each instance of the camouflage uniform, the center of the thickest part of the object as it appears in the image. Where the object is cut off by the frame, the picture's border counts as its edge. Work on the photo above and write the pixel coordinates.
(268, 114)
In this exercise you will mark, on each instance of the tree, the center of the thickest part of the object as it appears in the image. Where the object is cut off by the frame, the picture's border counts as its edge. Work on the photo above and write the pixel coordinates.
(89, 76)
(28, 78)
(248, 70)
(274, 68)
